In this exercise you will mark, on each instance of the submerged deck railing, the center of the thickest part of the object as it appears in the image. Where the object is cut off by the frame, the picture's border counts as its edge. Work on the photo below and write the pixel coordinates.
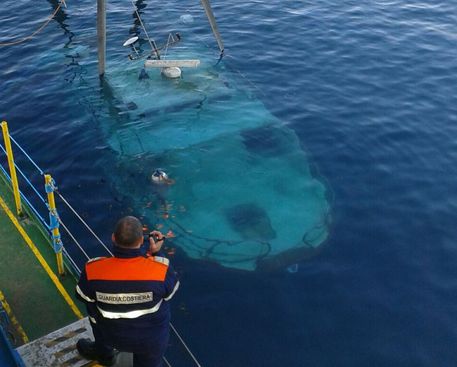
(55, 221)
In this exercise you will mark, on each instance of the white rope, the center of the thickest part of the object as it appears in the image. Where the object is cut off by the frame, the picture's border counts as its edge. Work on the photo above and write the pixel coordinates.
(251, 83)
(83, 222)
(185, 345)
(74, 239)
(166, 362)
(71, 260)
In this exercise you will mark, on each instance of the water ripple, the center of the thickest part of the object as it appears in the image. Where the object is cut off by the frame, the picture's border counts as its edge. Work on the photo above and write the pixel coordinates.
(369, 88)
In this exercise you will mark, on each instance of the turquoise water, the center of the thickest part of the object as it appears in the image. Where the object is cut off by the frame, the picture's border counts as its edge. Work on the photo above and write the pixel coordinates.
(356, 101)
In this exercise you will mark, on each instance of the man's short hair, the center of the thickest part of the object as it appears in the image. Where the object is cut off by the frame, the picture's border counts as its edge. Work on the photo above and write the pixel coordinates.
(128, 232)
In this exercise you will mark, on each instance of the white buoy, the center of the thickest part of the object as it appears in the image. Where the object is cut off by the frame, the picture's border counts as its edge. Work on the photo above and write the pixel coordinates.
(130, 41)
(172, 72)
(186, 19)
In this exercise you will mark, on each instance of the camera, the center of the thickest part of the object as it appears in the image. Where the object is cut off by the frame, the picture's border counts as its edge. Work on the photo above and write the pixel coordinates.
(154, 236)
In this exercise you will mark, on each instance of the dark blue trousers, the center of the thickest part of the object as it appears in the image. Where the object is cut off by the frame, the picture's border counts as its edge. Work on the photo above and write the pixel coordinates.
(148, 351)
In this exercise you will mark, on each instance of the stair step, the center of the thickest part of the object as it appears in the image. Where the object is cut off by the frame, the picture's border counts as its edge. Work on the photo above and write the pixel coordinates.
(58, 348)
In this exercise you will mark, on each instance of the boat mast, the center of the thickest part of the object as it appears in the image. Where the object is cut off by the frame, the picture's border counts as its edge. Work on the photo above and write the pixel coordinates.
(101, 36)
(101, 32)
(212, 22)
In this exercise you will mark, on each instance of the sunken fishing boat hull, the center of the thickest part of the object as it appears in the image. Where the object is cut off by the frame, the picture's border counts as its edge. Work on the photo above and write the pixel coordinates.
(243, 194)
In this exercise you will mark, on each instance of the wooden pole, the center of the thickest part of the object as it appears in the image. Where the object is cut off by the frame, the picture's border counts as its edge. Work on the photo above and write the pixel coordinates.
(101, 36)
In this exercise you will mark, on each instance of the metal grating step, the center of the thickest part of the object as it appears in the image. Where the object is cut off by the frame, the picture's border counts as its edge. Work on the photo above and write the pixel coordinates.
(58, 349)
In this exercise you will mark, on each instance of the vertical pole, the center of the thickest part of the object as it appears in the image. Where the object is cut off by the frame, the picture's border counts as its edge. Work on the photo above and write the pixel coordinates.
(12, 167)
(101, 36)
(54, 223)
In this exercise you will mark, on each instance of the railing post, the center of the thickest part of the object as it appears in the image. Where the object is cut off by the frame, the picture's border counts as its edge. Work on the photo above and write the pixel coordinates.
(54, 223)
(12, 168)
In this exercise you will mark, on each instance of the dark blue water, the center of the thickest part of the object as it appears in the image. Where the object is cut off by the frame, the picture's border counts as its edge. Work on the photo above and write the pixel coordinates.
(370, 89)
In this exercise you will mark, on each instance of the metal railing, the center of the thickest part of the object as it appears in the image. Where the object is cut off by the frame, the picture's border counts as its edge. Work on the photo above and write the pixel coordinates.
(55, 221)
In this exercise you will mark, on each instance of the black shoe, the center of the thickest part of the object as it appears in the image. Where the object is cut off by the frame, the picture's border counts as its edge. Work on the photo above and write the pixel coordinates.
(87, 349)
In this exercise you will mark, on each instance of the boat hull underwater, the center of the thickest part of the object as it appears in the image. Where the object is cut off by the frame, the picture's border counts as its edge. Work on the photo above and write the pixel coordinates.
(243, 194)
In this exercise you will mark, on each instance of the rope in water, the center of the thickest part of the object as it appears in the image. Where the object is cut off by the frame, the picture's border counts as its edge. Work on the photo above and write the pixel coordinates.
(206, 252)
(27, 38)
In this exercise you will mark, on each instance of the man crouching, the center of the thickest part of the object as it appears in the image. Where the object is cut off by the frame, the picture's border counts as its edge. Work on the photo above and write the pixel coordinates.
(127, 299)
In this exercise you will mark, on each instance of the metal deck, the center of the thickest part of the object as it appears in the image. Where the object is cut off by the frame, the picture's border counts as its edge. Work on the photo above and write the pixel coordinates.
(37, 304)
(33, 297)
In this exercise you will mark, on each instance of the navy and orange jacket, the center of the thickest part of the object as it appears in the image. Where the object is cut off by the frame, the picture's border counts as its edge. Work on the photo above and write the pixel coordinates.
(128, 290)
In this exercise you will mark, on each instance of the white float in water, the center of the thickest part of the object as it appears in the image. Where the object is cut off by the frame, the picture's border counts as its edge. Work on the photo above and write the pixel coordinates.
(172, 73)
(130, 41)
(186, 19)
(171, 68)
(192, 63)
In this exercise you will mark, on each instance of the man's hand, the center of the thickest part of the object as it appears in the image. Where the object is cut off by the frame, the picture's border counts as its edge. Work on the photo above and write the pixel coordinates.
(156, 239)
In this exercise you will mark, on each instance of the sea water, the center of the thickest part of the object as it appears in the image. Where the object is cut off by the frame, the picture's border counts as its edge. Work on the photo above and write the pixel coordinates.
(368, 92)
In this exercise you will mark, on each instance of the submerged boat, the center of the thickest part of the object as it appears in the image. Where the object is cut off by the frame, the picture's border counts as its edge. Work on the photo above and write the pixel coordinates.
(243, 195)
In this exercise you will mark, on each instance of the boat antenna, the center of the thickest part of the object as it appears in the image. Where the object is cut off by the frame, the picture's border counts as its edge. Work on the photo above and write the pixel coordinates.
(212, 22)
(151, 41)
